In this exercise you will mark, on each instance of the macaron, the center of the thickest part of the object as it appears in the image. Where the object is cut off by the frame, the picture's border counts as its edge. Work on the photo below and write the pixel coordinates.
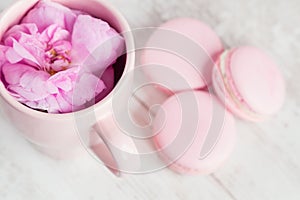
(186, 46)
(194, 133)
(249, 83)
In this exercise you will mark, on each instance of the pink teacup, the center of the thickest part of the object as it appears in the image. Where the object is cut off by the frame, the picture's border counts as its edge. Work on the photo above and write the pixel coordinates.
(65, 135)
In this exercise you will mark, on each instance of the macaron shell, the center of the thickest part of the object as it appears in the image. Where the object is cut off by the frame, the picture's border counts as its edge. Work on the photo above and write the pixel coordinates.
(226, 99)
(187, 46)
(181, 72)
(257, 79)
(212, 119)
(199, 32)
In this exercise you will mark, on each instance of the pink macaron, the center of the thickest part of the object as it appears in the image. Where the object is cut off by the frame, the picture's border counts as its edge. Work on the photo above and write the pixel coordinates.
(194, 133)
(249, 83)
(185, 46)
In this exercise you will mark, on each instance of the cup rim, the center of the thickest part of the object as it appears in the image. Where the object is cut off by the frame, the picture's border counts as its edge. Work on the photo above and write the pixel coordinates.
(130, 60)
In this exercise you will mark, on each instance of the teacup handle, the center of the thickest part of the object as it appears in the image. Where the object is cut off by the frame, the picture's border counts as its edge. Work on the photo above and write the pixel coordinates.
(114, 148)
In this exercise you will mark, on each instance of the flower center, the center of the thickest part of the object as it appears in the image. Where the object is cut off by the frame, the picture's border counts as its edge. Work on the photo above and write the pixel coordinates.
(57, 60)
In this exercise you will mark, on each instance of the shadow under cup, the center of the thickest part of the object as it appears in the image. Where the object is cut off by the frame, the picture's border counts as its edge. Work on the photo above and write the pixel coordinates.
(58, 135)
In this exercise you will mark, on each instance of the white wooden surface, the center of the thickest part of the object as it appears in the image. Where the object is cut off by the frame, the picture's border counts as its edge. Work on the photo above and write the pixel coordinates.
(266, 162)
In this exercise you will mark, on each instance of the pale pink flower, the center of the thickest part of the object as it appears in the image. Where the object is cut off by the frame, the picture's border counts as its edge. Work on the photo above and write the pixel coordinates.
(56, 58)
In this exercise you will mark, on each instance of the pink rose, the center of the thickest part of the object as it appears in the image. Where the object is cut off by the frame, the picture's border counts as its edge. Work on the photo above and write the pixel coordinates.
(54, 60)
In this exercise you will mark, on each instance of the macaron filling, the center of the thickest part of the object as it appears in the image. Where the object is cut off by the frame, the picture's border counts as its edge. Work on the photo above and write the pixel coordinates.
(231, 90)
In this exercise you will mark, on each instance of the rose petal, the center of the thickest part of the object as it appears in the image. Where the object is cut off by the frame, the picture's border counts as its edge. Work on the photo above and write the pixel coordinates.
(109, 81)
(95, 44)
(24, 53)
(64, 106)
(65, 84)
(62, 46)
(54, 33)
(35, 82)
(65, 80)
(24, 39)
(3, 49)
(16, 31)
(13, 73)
(31, 104)
(25, 81)
(25, 94)
(42, 105)
(47, 13)
(51, 88)
(53, 104)
(87, 88)
(12, 56)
